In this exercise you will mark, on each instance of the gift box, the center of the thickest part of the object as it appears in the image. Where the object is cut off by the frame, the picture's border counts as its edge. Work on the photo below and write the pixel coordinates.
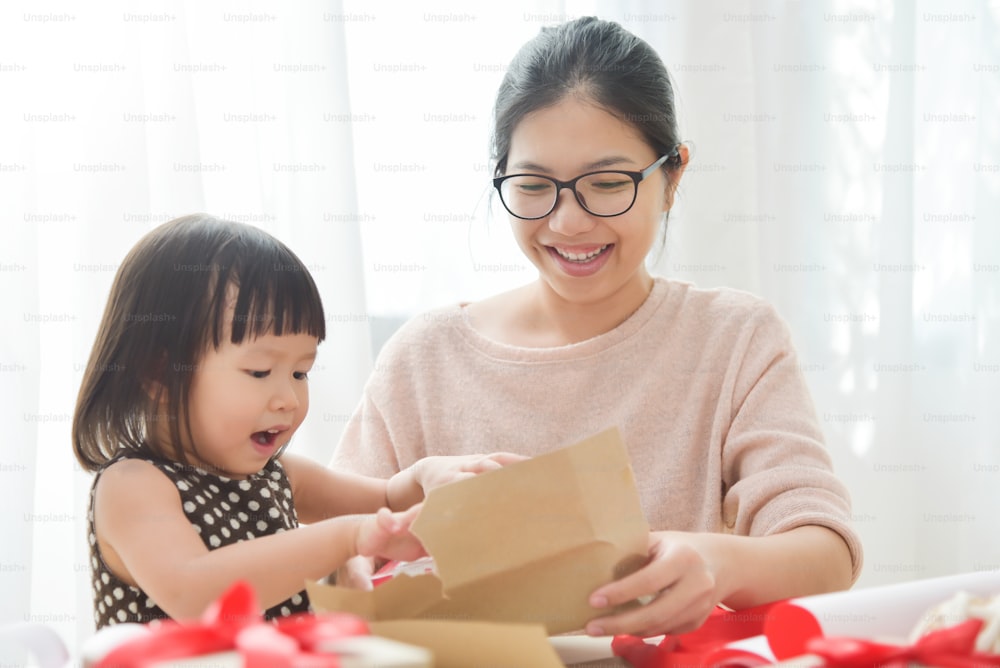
(526, 544)
(516, 554)
(232, 633)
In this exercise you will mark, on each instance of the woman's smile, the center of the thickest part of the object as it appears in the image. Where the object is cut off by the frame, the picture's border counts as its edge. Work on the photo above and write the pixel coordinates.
(581, 262)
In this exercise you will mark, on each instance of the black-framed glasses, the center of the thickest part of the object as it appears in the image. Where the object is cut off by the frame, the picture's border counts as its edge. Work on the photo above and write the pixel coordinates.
(606, 193)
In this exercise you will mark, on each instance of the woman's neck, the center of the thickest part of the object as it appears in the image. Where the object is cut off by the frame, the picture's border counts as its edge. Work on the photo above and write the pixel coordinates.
(536, 316)
(576, 321)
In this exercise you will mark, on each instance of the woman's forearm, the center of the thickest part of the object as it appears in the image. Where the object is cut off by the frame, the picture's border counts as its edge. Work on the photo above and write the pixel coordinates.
(751, 571)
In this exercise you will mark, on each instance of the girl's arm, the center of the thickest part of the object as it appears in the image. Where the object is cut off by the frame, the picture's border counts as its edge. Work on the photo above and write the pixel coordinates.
(689, 573)
(320, 492)
(148, 541)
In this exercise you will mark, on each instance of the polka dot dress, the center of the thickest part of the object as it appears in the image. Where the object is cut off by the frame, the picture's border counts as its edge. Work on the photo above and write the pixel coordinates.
(223, 511)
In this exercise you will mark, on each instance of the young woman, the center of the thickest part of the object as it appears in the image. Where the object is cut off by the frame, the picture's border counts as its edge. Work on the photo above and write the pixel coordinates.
(196, 383)
(703, 384)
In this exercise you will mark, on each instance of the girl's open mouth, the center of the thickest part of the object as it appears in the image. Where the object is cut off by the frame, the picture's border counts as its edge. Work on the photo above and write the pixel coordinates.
(266, 438)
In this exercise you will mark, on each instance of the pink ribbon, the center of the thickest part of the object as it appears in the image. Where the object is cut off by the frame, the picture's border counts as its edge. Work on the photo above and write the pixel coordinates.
(234, 622)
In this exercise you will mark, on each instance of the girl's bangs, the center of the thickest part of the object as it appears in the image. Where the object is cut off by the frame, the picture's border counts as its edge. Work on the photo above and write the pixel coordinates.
(275, 294)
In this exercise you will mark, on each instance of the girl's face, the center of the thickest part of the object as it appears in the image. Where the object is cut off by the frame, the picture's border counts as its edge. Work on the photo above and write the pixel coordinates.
(247, 400)
(583, 258)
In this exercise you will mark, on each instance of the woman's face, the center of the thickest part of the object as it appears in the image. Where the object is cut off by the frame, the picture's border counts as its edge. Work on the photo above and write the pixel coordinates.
(581, 257)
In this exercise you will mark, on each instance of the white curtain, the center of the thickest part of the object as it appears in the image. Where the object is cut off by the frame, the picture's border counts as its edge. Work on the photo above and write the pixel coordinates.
(846, 166)
(117, 117)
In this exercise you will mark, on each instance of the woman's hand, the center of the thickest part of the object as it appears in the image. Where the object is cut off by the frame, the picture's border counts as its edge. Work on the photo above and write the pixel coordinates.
(411, 485)
(678, 577)
(387, 534)
(689, 573)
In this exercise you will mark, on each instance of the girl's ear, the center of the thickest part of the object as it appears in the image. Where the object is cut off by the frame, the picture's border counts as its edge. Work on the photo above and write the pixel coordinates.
(155, 390)
(674, 177)
(152, 383)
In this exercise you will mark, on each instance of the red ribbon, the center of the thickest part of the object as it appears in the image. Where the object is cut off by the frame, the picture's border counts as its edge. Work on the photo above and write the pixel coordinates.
(953, 647)
(702, 648)
(233, 622)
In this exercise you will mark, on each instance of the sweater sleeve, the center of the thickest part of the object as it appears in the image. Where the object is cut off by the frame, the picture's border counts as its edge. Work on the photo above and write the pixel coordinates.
(365, 446)
(384, 433)
(777, 473)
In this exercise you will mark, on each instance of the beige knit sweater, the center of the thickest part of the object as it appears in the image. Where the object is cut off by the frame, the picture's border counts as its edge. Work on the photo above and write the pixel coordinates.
(704, 386)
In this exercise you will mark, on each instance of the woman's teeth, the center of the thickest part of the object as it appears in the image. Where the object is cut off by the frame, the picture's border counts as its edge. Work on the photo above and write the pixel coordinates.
(581, 257)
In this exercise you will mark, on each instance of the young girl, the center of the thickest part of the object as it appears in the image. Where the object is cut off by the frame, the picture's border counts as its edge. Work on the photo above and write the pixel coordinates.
(196, 383)
(704, 385)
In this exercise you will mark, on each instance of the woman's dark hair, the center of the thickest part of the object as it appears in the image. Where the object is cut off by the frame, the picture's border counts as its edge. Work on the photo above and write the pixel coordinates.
(600, 61)
(181, 289)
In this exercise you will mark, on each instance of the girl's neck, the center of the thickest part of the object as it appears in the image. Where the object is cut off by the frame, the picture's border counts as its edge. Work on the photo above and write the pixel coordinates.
(167, 451)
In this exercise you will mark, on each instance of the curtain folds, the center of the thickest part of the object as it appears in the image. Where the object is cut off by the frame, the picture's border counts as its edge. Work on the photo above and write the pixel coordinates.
(117, 118)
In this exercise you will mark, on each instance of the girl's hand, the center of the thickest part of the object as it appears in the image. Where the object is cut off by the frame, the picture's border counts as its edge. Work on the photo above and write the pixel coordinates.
(680, 581)
(411, 485)
(431, 472)
(356, 573)
(387, 534)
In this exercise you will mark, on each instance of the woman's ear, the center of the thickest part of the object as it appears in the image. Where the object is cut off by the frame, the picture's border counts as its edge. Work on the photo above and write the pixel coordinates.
(674, 176)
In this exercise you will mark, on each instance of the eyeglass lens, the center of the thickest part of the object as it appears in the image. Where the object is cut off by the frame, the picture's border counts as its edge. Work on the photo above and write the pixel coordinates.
(603, 194)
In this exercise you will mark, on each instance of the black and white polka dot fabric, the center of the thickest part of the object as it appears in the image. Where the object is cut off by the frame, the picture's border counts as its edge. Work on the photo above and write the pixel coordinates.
(223, 511)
